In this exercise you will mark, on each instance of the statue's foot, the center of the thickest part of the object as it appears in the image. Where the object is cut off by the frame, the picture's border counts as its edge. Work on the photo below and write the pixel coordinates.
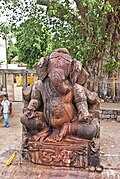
(71, 138)
(36, 138)
(40, 136)
(59, 134)
(52, 138)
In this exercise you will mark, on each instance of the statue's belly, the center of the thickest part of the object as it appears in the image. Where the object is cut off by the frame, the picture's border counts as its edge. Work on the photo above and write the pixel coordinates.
(57, 113)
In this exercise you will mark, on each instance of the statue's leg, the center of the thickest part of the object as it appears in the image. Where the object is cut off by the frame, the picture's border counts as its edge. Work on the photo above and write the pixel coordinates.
(34, 122)
(86, 130)
(37, 127)
(40, 136)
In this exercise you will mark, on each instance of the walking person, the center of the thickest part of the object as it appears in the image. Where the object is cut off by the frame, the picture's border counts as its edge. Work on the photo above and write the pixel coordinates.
(6, 110)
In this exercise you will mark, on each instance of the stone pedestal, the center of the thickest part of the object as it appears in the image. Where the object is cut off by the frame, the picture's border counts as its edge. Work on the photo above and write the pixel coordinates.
(65, 154)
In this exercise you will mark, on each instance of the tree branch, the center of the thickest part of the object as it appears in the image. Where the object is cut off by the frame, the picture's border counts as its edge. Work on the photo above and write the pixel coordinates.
(82, 11)
(43, 2)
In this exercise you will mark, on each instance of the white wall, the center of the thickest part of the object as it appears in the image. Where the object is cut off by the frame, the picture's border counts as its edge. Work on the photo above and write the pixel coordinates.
(3, 54)
(16, 67)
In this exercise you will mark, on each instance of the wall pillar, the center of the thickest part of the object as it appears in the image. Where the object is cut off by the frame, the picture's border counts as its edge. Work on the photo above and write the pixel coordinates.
(24, 74)
(4, 81)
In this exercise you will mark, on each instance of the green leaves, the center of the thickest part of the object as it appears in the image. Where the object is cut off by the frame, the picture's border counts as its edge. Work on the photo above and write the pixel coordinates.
(89, 29)
(32, 39)
(112, 65)
(86, 29)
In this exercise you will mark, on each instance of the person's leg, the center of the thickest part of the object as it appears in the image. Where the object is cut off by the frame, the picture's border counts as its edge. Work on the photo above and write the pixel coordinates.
(4, 115)
(6, 119)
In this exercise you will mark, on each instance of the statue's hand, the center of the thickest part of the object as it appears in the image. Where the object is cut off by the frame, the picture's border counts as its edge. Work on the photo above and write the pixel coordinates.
(84, 118)
(63, 132)
(81, 118)
(29, 113)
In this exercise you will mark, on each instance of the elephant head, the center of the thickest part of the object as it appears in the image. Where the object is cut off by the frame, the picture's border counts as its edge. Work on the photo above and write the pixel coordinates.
(62, 70)
(59, 70)
(56, 68)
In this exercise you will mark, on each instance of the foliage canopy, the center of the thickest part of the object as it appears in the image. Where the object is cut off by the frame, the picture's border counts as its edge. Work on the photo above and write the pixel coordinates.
(89, 29)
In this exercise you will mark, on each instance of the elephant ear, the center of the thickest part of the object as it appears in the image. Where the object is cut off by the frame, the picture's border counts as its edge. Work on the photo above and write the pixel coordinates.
(75, 70)
(78, 74)
(42, 68)
(82, 77)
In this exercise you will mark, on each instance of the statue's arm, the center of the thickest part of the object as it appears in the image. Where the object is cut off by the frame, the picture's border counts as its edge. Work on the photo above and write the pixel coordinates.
(36, 98)
(80, 101)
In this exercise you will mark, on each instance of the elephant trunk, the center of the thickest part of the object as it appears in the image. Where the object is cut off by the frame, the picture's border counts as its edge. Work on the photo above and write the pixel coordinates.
(58, 80)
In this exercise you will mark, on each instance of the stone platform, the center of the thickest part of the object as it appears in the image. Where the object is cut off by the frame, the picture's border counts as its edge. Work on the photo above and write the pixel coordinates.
(65, 154)
(110, 111)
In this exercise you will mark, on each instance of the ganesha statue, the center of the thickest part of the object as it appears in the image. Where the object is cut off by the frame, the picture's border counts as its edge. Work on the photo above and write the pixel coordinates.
(60, 113)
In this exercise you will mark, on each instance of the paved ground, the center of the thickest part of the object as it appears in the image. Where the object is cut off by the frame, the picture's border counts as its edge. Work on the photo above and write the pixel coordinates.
(10, 140)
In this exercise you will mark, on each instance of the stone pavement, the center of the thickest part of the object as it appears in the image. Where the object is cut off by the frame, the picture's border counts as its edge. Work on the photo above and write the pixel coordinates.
(31, 171)
(10, 141)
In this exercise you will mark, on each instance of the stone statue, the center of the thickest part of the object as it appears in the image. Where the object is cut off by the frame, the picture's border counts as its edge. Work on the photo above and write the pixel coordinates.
(58, 108)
